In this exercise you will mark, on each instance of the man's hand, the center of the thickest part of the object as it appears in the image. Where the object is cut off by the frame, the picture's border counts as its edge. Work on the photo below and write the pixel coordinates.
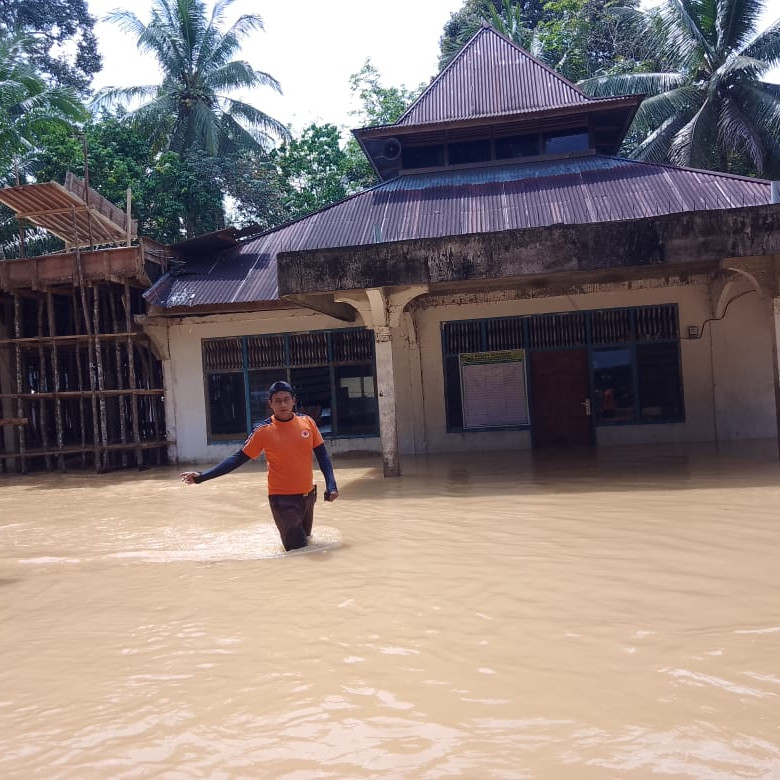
(331, 495)
(189, 477)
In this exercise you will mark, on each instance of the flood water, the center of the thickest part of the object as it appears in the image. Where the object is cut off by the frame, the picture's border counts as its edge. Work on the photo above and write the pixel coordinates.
(602, 615)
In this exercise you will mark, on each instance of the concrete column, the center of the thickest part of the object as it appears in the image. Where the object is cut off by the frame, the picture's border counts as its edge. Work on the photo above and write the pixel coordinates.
(388, 425)
(158, 333)
(776, 364)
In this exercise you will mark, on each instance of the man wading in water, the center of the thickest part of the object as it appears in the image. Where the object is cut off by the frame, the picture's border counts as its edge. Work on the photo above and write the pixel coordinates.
(288, 440)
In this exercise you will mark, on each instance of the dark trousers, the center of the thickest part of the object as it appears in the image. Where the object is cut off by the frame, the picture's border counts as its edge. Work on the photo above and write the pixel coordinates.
(294, 516)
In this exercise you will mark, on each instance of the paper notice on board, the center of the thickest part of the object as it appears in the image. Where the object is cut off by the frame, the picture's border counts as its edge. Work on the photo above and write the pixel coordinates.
(494, 389)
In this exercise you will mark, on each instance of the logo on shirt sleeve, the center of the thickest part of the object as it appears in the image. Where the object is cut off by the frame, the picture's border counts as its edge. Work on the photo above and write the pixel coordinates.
(305, 434)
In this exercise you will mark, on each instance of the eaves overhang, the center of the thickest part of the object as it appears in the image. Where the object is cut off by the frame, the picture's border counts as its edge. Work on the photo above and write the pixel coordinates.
(647, 245)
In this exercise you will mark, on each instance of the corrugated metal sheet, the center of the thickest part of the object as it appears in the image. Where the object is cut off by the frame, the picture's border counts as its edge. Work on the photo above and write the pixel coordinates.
(457, 202)
(64, 212)
(492, 76)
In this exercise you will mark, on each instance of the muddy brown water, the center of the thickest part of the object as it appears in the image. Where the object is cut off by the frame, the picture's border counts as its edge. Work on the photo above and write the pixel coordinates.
(594, 615)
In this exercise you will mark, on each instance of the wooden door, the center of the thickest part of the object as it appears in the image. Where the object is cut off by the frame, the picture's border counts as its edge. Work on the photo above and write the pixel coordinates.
(559, 385)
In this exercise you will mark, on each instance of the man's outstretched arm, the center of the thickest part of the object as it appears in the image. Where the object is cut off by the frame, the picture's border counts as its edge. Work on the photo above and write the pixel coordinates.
(231, 463)
(326, 467)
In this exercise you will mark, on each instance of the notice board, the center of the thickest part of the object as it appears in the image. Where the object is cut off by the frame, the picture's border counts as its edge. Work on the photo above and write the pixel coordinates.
(493, 388)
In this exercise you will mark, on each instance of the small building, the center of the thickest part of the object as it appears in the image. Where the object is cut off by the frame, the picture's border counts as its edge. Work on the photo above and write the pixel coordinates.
(510, 283)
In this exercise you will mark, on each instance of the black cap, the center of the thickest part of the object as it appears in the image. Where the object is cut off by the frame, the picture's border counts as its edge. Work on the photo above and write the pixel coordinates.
(280, 387)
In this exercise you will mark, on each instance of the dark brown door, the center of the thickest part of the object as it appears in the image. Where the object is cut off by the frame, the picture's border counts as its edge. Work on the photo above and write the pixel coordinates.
(559, 386)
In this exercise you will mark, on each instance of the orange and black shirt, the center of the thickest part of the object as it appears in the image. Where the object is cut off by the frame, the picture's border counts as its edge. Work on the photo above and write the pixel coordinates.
(288, 447)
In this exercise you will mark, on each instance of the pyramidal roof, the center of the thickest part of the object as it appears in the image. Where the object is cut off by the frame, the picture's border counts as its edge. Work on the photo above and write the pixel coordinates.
(492, 76)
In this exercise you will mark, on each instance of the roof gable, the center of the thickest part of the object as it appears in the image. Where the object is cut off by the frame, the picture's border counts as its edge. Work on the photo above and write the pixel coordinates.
(492, 76)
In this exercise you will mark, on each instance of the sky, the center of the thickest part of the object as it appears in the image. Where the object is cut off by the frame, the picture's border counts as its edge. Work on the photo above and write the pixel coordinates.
(312, 47)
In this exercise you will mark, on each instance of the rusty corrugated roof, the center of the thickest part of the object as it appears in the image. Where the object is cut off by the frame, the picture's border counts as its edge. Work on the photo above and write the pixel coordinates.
(450, 202)
(492, 76)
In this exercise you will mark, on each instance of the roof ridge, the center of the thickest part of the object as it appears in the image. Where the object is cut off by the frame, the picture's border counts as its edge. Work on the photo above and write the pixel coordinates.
(486, 30)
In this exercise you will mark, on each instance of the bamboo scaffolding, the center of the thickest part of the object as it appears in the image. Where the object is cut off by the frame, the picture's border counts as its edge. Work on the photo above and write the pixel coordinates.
(80, 380)
(119, 378)
(127, 303)
(55, 370)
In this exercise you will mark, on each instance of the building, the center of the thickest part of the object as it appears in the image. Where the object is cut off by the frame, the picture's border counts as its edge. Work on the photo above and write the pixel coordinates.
(510, 283)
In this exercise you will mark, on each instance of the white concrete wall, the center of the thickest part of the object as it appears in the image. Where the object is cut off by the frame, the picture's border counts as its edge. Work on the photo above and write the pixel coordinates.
(742, 366)
(727, 374)
(693, 301)
(185, 380)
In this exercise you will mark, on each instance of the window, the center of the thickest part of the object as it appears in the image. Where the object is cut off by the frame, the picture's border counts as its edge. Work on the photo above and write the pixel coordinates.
(423, 156)
(332, 373)
(464, 152)
(564, 142)
(634, 358)
(517, 146)
(613, 385)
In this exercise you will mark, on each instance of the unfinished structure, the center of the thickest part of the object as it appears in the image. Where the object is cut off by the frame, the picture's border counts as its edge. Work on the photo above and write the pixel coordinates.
(79, 383)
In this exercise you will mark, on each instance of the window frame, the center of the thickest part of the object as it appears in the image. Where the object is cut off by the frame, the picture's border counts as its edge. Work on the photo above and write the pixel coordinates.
(630, 342)
(284, 372)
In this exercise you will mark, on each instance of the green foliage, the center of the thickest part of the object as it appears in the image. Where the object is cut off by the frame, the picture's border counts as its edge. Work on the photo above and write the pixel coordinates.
(577, 38)
(175, 196)
(707, 103)
(29, 108)
(193, 107)
(312, 169)
(379, 105)
(62, 39)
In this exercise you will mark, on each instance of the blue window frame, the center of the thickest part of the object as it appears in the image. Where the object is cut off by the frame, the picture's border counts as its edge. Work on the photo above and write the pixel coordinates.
(634, 358)
(333, 373)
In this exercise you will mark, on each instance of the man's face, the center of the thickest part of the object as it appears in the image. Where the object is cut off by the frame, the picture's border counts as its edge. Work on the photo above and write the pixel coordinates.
(282, 404)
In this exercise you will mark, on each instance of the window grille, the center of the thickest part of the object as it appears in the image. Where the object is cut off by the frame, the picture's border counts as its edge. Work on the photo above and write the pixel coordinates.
(557, 331)
(610, 326)
(462, 337)
(308, 349)
(352, 345)
(223, 354)
(265, 351)
(504, 333)
(657, 323)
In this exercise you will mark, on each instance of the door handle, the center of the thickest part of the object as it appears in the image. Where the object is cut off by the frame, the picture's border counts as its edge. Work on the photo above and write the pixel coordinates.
(586, 404)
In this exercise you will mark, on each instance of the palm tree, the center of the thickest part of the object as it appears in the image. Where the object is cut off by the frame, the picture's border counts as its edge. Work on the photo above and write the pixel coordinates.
(707, 104)
(29, 108)
(192, 108)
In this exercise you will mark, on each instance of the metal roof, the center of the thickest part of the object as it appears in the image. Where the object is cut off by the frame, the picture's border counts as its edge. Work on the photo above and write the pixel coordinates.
(80, 216)
(453, 202)
(492, 76)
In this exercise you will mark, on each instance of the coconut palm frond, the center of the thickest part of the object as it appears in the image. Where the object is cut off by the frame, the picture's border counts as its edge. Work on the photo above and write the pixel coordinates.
(684, 39)
(765, 46)
(632, 84)
(655, 147)
(736, 22)
(654, 111)
(736, 132)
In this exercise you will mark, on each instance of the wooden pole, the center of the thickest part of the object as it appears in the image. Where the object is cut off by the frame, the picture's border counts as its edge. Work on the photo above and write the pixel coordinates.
(92, 349)
(119, 378)
(80, 374)
(139, 456)
(129, 216)
(43, 386)
(55, 370)
(19, 383)
(101, 380)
